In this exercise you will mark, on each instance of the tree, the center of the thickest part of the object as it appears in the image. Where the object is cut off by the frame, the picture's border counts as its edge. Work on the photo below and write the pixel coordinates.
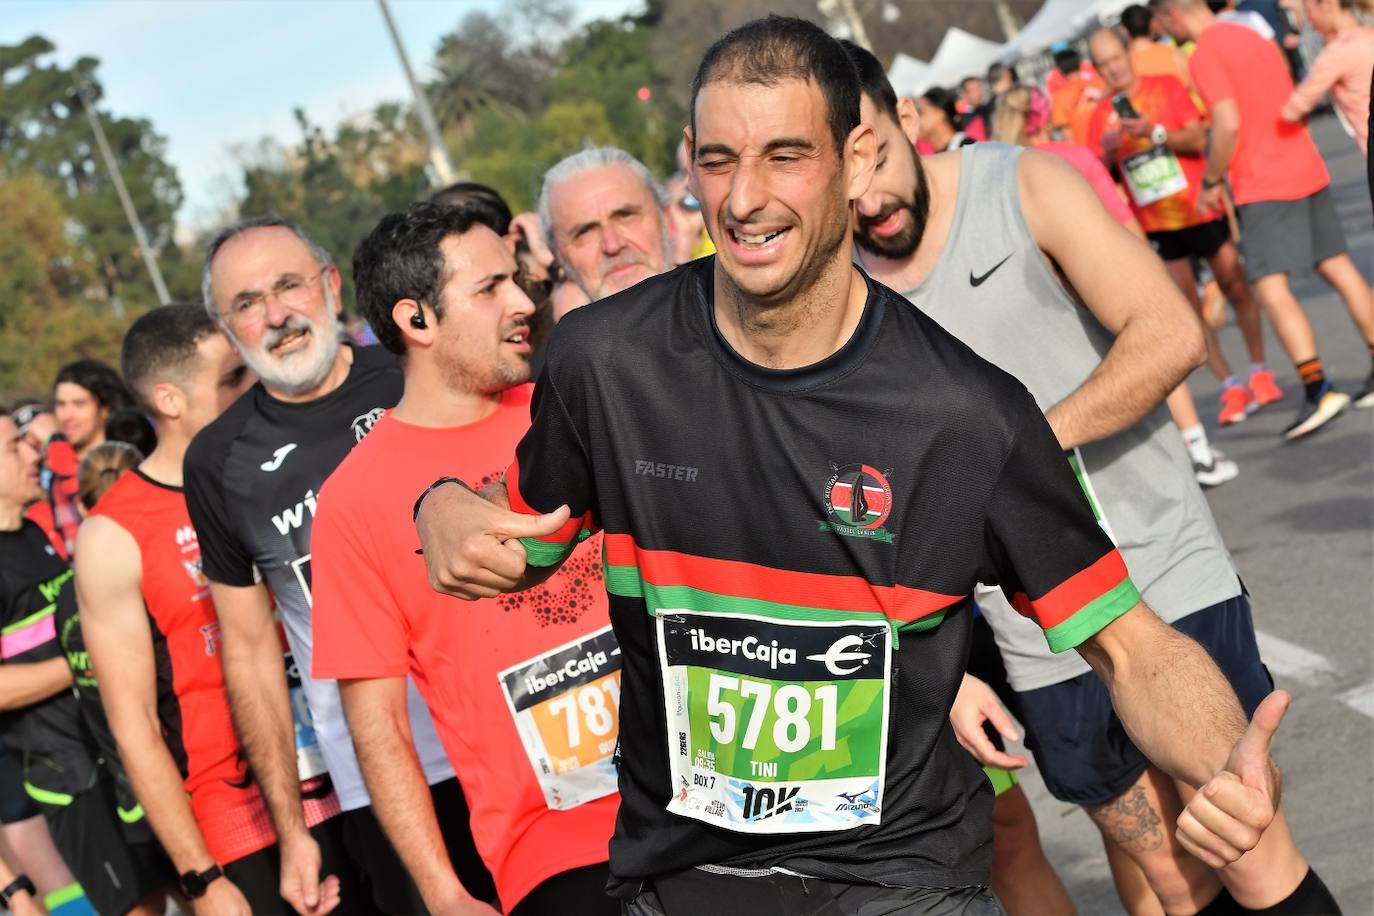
(337, 188)
(46, 320)
(483, 64)
(43, 129)
(589, 94)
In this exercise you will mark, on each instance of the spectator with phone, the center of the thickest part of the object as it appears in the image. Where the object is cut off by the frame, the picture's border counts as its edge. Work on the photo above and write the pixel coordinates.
(1152, 131)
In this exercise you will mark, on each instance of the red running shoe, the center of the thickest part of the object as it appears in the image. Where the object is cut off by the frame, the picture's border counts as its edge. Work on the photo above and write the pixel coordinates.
(1235, 404)
(1263, 388)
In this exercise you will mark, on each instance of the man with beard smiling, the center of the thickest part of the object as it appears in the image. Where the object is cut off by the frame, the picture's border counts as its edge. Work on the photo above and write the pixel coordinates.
(251, 481)
(1006, 249)
(793, 610)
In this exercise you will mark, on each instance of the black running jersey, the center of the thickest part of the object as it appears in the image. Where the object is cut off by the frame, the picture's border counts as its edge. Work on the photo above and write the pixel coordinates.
(251, 481)
(134, 824)
(790, 557)
(49, 736)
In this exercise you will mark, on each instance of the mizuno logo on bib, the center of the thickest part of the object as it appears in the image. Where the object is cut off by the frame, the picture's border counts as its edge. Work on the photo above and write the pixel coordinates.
(775, 726)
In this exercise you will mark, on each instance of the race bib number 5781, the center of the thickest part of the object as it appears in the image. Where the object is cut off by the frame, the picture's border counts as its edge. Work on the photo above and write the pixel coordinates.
(775, 726)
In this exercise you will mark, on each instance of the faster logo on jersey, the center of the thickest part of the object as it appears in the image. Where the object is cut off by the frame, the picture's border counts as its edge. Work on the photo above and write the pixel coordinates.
(858, 500)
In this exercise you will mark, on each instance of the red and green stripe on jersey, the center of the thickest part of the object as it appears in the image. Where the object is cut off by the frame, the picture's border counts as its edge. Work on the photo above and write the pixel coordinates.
(1068, 613)
(551, 549)
(1082, 604)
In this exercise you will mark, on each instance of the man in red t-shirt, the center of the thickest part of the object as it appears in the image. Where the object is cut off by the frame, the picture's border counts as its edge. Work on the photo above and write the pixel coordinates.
(1160, 155)
(525, 690)
(150, 629)
(1282, 193)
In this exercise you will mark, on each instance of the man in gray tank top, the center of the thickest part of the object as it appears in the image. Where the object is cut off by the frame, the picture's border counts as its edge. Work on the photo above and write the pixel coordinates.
(1012, 252)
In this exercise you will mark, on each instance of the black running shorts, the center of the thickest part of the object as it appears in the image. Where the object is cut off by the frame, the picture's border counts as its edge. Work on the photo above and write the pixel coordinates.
(1200, 241)
(388, 883)
(695, 891)
(258, 875)
(114, 873)
(581, 891)
(1081, 747)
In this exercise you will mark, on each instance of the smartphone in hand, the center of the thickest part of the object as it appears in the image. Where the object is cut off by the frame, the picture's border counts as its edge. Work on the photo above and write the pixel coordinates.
(1123, 107)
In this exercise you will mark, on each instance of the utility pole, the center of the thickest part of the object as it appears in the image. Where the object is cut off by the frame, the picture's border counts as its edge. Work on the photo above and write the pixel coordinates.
(438, 153)
(1007, 19)
(149, 256)
(856, 24)
(845, 9)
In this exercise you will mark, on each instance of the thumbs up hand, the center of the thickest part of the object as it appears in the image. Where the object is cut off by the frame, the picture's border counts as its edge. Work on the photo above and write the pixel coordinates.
(1228, 815)
(471, 546)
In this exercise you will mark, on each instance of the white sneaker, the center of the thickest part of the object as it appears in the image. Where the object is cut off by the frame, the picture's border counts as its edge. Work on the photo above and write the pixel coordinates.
(1215, 472)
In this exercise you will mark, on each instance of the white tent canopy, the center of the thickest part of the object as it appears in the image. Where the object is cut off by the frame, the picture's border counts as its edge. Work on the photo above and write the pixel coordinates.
(907, 73)
(1057, 20)
(960, 54)
(1060, 20)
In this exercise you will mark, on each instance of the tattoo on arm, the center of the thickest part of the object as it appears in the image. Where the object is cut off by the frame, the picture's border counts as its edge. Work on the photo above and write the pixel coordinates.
(1130, 821)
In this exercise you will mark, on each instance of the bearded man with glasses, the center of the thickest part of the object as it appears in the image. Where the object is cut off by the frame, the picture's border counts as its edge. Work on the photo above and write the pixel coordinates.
(251, 482)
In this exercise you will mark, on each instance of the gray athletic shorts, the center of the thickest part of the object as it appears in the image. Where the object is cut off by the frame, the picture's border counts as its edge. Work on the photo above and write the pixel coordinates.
(692, 892)
(1280, 236)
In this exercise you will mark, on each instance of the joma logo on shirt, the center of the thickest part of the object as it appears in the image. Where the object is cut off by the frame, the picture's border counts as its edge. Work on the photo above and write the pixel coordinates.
(293, 517)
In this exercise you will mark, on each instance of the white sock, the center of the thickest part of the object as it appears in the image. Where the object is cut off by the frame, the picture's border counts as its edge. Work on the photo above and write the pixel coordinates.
(1195, 440)
(1256, 367)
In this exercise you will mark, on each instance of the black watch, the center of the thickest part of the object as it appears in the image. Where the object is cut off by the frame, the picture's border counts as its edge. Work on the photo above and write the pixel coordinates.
(194, 883)
(1208, 184)
(22, 883)
(415, 512)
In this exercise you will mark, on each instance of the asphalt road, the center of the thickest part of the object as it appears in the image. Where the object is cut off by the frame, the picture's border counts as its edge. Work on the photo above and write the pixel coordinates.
(1299, 521)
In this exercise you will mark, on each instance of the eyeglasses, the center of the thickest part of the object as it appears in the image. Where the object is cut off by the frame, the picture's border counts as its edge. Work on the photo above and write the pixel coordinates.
(291, 291)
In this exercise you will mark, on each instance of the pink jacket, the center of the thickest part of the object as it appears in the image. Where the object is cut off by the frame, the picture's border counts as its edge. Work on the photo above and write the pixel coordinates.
(1342, 68)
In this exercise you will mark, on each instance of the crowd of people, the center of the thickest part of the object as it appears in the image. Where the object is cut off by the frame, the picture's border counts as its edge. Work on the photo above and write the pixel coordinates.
(438, 610)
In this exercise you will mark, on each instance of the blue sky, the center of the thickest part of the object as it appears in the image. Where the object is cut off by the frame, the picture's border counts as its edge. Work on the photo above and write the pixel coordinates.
(212, 74)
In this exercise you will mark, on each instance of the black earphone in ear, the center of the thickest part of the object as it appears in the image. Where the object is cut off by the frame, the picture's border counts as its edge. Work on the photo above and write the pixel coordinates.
(417, 321)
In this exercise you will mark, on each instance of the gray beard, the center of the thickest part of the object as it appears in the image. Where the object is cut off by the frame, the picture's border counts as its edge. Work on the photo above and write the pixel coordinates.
(303, 371)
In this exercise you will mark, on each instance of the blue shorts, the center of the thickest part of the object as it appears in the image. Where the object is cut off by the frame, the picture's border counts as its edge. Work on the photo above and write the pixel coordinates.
(1080, 746)
(15, 804)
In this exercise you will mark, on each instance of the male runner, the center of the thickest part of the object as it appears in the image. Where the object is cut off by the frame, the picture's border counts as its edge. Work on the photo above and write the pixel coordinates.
(529, 731)
(1161, 155)
(251, 481)
(1099, 362)
(39, 716)
(796, 508)
(150, 632)
(1282, 192)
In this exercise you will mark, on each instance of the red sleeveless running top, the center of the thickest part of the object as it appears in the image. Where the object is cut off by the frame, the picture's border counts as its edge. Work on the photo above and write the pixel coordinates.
(193, 704)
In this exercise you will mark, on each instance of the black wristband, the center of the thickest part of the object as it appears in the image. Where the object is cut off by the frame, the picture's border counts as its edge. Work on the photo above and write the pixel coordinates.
(22, 883)
(415, 513)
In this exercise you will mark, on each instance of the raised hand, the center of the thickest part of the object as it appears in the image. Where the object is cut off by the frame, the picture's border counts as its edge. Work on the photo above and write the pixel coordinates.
(1228, 815)
(471, 546)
